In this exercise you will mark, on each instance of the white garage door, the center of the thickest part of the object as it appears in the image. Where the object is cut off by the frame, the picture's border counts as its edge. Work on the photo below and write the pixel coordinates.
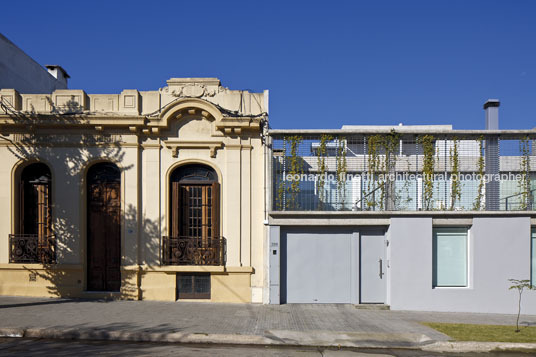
(319, 267)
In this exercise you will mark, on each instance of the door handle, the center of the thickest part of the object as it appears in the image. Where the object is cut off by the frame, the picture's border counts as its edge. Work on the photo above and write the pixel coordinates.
(381, 268)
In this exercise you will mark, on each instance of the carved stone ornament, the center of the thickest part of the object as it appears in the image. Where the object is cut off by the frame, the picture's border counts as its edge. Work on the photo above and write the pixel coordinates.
(194, 91)
(191, 91)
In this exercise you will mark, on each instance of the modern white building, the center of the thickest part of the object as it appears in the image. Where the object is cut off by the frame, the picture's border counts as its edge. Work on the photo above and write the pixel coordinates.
(22, 73)
(411, 217)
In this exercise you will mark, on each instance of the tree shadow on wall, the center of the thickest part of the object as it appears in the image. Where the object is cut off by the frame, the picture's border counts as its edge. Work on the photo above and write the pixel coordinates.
(65, 140)
(63, 135)
(148, 250)
(63, 282)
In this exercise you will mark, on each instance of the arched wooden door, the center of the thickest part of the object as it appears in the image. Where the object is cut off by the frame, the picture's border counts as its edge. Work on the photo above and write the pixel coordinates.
(104, 228)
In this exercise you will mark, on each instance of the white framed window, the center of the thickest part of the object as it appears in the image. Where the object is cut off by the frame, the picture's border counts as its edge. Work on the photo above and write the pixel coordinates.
(450, 257)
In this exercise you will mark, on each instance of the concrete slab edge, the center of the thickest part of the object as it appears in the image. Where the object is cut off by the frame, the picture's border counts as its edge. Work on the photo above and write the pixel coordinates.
(273, 337)
(478, 347)
(349, 340)
(130, 336)
(11, 332)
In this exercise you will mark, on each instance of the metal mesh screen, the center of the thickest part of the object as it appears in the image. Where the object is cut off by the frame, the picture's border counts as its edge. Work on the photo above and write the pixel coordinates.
(394, 172)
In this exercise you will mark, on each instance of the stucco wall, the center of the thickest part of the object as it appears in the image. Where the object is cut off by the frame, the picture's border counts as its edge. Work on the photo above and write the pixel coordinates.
(187, 131)
(499, 249)
(68, 167)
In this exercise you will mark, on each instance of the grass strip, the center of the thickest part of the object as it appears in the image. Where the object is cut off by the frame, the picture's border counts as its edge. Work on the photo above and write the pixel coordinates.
(485, 333)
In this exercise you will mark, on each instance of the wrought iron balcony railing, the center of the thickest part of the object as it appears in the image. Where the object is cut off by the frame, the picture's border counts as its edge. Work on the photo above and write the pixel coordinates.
(32, 248)
(193, 251)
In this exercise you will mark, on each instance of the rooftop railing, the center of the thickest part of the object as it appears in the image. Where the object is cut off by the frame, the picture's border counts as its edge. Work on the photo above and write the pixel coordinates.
(403, 170)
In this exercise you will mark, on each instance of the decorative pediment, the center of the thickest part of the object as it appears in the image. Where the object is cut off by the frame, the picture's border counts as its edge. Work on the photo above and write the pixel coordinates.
(193, 106)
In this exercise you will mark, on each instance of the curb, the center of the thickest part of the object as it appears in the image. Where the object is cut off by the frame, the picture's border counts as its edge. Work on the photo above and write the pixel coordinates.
(270, 337)
(479, 347)
(348, 339)
(12, 332)
(277, 338)
(129, 336)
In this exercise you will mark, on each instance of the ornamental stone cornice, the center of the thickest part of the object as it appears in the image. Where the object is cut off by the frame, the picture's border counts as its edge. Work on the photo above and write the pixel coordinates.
(176, 145)
(141, 113)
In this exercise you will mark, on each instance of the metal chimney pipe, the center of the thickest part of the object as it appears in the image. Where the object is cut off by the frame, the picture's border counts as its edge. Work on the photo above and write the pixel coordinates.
(492, 156)
(492, 114)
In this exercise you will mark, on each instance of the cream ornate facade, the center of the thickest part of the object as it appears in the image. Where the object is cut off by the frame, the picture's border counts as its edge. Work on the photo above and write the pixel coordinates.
(185, 132)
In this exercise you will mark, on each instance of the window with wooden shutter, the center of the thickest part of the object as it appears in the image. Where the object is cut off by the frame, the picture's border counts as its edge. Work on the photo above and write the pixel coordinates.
(194, 210)
(34, 241)
(194, 218)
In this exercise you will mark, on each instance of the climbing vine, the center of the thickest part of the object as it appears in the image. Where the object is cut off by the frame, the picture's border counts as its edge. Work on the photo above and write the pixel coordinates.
(322, 169)
(427, 142)
(455, 188)
(524, 181)
(391, 145)
(382, 152)
(295, 171)
(375, 166)
(341, 171)
(281, 187)
(403, 197)
(477, 206)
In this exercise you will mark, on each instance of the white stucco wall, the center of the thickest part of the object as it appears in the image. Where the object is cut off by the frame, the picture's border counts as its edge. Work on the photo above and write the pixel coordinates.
(499, 249)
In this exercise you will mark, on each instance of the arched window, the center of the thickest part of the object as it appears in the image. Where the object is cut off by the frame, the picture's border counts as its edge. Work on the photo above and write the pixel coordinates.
(194, 217)
(194, 202)
(34, 242)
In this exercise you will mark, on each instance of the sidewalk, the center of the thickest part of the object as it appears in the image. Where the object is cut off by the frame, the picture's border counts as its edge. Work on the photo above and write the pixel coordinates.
(192, 322)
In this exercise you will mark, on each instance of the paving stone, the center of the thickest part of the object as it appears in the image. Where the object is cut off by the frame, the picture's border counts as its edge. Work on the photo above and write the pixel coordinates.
(217, 318)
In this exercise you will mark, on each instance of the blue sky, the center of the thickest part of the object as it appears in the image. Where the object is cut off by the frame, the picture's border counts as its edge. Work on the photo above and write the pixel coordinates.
(326, 64)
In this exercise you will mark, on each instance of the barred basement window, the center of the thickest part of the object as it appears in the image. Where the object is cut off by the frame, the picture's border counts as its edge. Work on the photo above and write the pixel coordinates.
(193, 286)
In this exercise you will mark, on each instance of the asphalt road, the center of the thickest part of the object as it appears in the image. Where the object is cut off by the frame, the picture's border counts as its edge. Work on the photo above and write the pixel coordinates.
(33, 347)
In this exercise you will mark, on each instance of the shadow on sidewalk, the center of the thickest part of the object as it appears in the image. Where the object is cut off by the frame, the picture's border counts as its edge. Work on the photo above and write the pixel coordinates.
(53, 301)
